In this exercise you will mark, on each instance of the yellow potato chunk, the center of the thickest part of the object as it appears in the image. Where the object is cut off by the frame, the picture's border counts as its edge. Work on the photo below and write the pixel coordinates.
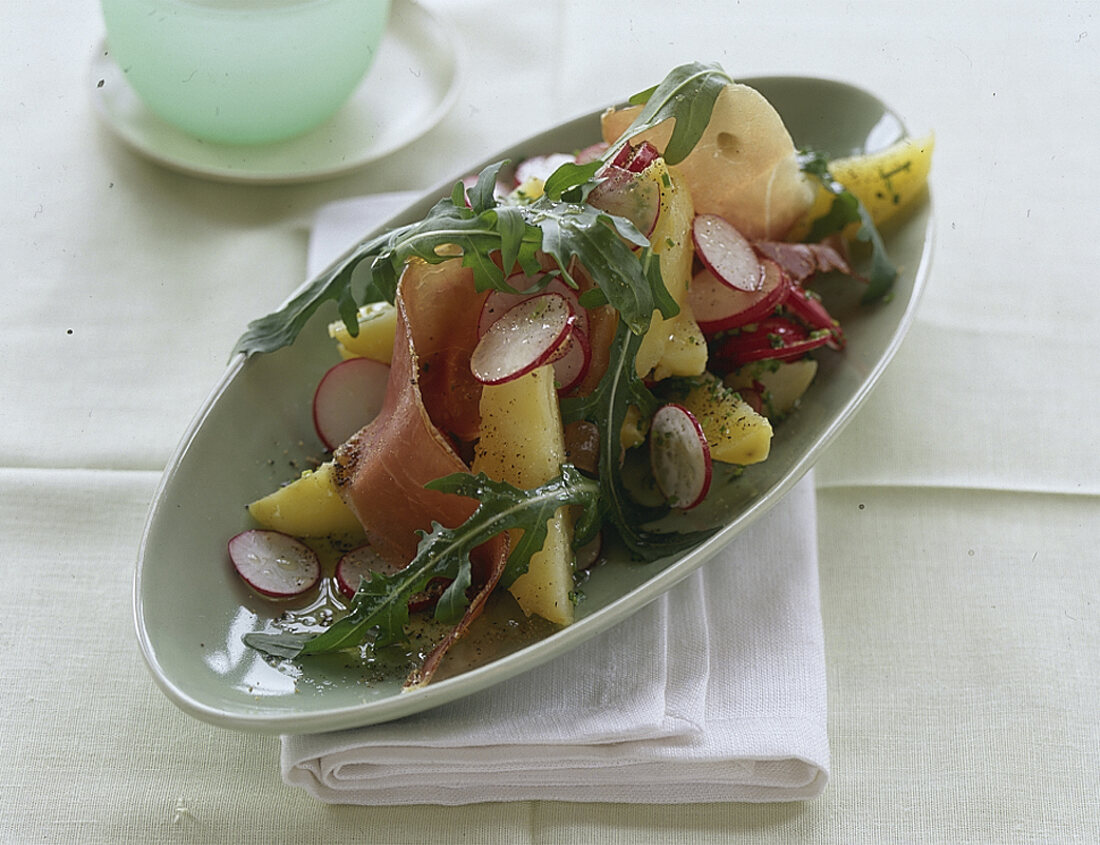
(634, 429)
(673, 346)
(309, 506)
(783, 383)
(735, 433)
(521, 442)
(377, 324)
(685, 348)
(531, 189)
(744, 167)
(887, 182)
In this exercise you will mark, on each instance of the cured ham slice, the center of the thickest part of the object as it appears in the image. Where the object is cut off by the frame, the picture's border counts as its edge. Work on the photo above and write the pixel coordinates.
(442, 308)
(801, 261)
(381, 471)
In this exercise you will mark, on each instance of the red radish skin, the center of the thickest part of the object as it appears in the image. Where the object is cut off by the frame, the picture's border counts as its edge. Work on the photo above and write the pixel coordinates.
(591, 152)
(525, 337)
(679, 456)
(718, 306)
(636, 159)
(274, 564)
(362, 561)
(348, 397)
(499, 301)
(809, 309)
(726, 253)
(623, 156)
(571, 363)
(571, 368)
(358, 563)
(776, 338)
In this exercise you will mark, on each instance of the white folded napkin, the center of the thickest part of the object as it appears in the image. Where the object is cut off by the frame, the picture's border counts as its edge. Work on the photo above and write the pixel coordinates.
(714, 692)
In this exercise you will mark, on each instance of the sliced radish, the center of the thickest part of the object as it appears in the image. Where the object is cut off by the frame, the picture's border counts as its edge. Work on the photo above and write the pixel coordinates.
(360, 563)
(559, 285)
(591, 152)
(571, 365)
(718, 306)
(571, 368)
(623, 156)
(636, 159)
(348, 397)
(726, 252)
(274, 564)
(776, 338)
(499, 301)
(429, 597)
(679, 456)
(363, 561)
(809, 309)
(540, 167)
(528, 335)
(624, 194)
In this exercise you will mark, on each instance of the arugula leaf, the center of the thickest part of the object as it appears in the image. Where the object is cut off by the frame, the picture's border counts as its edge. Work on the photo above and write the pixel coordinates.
(607, 407)
(381, 604)
(370, 273)
(504, 507)
(686, 95)
(846, 209)
(280, 328)
(572, 181)
(559, 223)
(629, 281)
(482, 196)
(513, 231)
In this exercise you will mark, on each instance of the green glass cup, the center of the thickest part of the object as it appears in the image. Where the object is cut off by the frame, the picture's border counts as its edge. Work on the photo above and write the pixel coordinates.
(245, 71)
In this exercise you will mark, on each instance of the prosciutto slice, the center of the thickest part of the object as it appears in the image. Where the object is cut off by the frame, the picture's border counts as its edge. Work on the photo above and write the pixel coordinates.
(801, 261)
(381, 471)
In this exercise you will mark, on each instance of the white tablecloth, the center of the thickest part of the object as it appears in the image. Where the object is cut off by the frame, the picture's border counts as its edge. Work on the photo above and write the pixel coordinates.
(958, 514)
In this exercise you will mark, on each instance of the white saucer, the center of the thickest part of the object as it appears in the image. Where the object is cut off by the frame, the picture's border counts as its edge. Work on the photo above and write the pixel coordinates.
(412, 84)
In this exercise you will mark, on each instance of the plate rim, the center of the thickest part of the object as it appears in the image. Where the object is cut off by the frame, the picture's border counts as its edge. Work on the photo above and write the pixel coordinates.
(449, 689)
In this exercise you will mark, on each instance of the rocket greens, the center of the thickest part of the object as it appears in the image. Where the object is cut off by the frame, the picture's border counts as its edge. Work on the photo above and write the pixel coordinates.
(381, 604)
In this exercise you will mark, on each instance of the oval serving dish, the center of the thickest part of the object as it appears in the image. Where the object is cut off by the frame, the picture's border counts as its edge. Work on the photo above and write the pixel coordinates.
(191, 610)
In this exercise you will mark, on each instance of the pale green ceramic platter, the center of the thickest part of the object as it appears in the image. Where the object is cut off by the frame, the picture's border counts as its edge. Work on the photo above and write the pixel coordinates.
(255, 432)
